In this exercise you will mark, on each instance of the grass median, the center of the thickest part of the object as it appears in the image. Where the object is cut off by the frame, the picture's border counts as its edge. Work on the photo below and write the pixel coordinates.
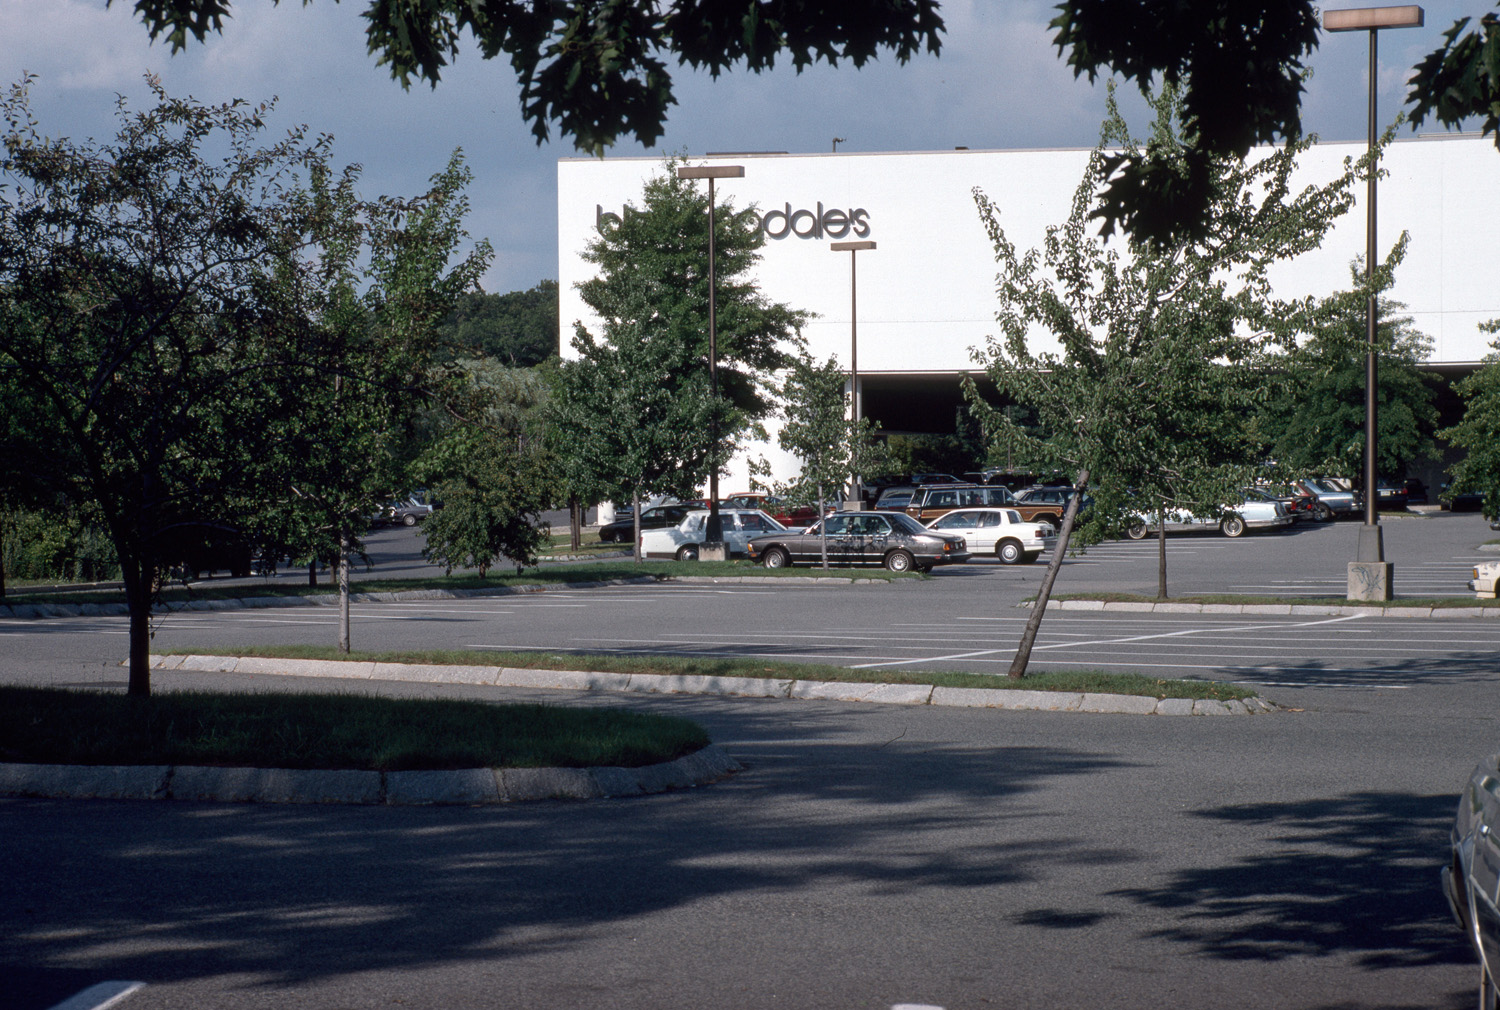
(1072, 681)
(344, 731)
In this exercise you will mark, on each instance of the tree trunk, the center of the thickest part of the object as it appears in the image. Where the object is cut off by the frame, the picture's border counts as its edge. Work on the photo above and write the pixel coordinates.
(1161, 551)
(138, 594)
(1034, 622)
(312, 572)
(575, 523)
(635, 521)
(343, 592)
(2, 558)
(824, 527)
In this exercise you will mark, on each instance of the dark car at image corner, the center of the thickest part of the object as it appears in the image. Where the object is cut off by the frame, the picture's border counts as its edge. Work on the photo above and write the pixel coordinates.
(1471, 880)
(892, 539)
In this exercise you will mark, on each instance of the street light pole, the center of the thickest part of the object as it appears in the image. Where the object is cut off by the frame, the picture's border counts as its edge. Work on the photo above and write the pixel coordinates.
(714, 534)
(855, 404)
(1370, 574)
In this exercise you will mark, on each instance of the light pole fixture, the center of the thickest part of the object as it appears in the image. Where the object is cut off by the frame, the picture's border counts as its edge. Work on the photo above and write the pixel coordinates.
(714, 534)
(855, 404)
(1369, 575)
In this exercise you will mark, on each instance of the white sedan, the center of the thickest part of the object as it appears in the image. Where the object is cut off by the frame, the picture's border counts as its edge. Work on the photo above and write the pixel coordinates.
(1000, 531)
(681, 542)
(1235, 520)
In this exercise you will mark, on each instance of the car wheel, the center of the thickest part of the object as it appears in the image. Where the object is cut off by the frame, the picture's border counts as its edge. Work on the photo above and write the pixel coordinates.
(687, 552)
(1009, 552)
(899, 561)
(1055, 521)
(1233, 526)
(1029, 558)
(1137, 531)
(777, 558)
(1321, 513)
(409, 520)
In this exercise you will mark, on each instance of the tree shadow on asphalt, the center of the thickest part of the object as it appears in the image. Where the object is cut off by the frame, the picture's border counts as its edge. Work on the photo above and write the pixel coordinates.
(1354, 875)
(1449, 668)
(283, 896)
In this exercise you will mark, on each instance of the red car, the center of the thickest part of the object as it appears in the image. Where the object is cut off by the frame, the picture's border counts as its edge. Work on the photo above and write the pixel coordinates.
(794, 517)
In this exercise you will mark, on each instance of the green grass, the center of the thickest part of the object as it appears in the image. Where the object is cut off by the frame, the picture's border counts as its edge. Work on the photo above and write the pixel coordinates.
(1097, 681)
(584, 571)
(1440, 602)
(55, 726)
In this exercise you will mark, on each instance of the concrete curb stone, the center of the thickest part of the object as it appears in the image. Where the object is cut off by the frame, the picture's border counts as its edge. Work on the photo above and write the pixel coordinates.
(1278, 609)
(1118, 703)
(465, 786)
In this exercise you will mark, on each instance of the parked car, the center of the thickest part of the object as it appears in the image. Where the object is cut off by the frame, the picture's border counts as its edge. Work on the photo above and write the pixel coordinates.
(1416, 491)
(622, 530)
(1486, 580)
(1045, 503)
(892, 539)
(1471, 880)
(1467, 501)
(405, 512)
(1390, 494)
(895, 499)
(998, 531)
(1332, 500)
(683, 541)
(1300, 505)
(932, 500)
(1233, 520)
(777, 508)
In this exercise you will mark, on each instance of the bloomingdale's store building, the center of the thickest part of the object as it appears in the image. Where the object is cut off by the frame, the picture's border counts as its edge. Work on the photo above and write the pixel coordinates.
(926, 292)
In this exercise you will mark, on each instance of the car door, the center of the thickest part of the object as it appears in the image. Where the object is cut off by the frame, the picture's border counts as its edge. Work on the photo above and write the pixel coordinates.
(977, 528)
(868, 539)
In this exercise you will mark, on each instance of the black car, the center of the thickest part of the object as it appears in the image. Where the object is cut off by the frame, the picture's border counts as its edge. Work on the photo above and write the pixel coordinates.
(622, 531)
(892, 539)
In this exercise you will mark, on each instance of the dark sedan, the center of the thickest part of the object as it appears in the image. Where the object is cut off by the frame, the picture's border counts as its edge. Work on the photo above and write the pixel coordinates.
(892, 539)
(622, 530)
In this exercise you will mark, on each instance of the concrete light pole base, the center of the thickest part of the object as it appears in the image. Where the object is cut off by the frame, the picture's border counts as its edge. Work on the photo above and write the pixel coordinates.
(1370, 580)
(853, 505)
(713, 551)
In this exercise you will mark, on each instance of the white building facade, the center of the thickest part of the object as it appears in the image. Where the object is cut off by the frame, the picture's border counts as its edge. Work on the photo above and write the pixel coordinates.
(926, 294)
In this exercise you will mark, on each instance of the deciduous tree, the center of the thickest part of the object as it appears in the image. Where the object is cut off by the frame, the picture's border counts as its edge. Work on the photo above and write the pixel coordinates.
(1161, 350)
(1478, 433)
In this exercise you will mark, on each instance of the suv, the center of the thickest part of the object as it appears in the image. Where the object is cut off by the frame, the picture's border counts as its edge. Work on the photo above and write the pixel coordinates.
(1046, 504)
(928, 502)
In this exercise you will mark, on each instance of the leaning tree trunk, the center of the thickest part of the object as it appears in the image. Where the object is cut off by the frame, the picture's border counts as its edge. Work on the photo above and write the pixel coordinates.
(1034, 622)
(1161, 551)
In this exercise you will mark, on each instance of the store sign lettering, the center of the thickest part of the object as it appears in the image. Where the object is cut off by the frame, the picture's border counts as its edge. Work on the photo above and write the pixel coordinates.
(779, 224)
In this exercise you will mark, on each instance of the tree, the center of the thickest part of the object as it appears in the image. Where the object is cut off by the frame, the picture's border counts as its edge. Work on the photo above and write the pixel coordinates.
(164, 313)
(599, 67)
(491, 471)
(132, 320)
(1317, 422)
(631, 416)
(817, 429)
(656, 259)
(1478, 433)
(518, 329)
(1149, 396)
(635, 414)
(1241, 71)
(377, 280)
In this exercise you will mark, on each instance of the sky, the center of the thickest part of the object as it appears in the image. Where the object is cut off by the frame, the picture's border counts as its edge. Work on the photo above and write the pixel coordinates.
(998, 84)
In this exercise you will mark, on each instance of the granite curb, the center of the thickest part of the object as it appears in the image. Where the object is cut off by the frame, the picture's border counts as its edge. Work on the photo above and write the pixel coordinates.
(736, 687)
(458, 787)
(1270, 609)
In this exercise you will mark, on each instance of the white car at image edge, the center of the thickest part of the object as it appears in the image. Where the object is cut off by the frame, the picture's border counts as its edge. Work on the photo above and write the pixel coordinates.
(998, 531)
